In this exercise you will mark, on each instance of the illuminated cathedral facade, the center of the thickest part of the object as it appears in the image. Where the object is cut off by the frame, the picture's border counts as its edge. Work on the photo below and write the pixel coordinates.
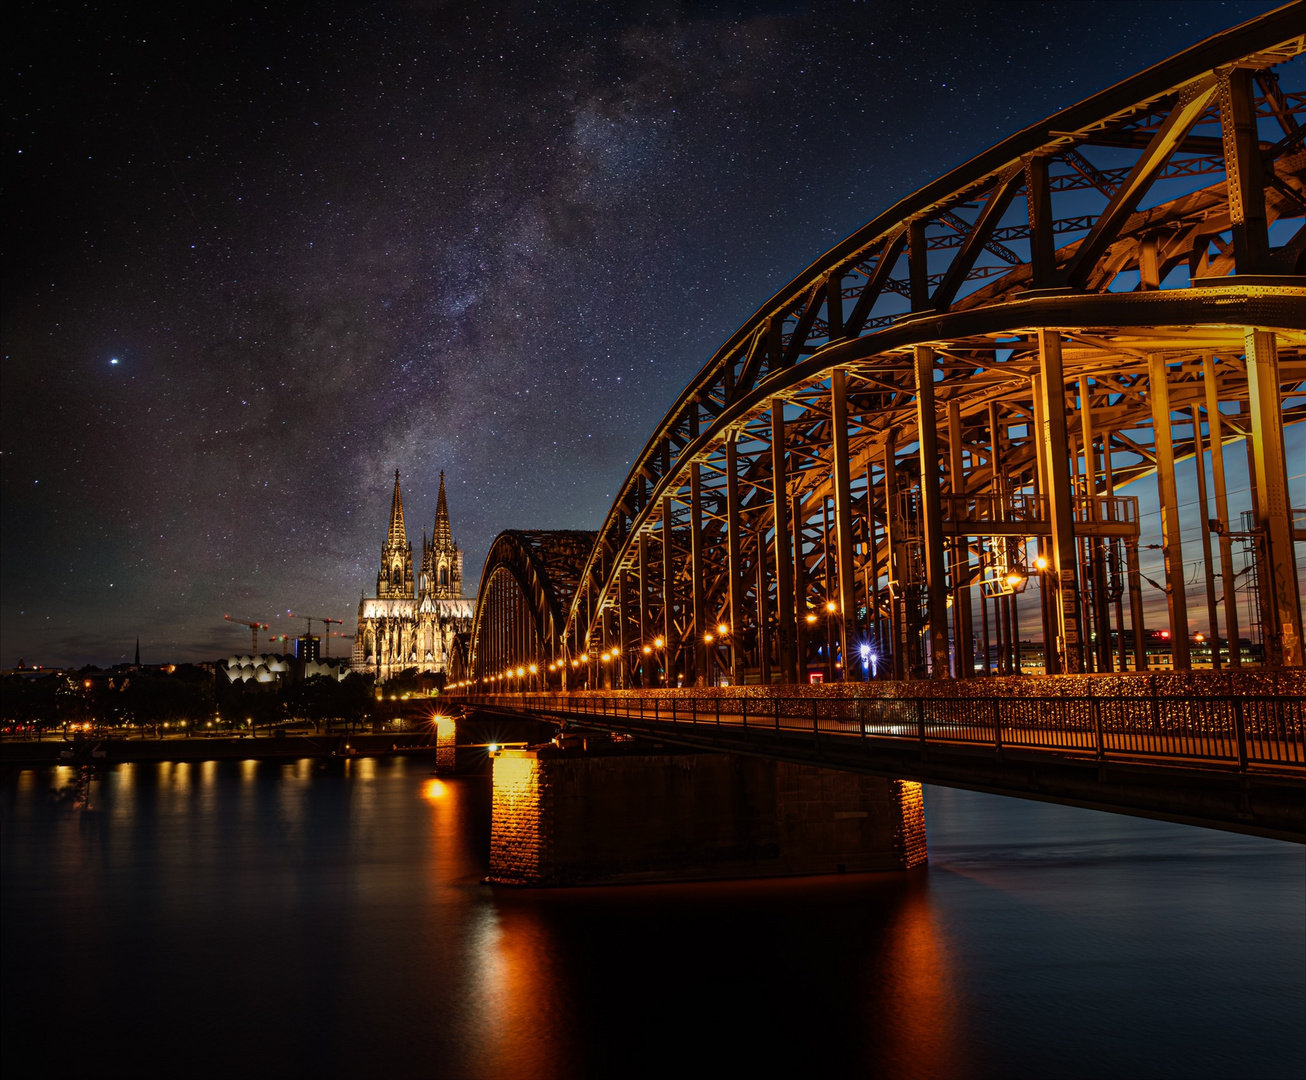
(412, 620)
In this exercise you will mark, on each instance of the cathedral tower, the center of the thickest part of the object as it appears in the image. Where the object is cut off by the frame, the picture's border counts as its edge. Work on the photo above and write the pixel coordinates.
(395, 580)
(405, 629)
(442, 559)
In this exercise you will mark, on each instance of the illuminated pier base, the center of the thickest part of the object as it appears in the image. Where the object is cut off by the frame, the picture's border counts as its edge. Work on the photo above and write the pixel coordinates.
(570, 817)
(446, 733)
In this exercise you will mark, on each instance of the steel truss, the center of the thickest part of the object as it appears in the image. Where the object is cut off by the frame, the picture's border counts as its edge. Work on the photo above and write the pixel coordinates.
(956, 399)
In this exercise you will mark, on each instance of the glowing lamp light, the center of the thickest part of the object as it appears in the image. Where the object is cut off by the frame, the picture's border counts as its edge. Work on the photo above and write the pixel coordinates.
(520, 672)
(658, 643)
(533, 669)
(707, 638)
(493, 748)
(1165, 633)
(648, 649)
(1014, 578)
(722, 629)
(810, 617)
(865, 650)
(1041, 563)
(831, 608)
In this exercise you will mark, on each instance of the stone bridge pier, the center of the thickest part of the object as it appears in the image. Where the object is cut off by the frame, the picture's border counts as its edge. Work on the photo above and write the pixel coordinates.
(595, 811)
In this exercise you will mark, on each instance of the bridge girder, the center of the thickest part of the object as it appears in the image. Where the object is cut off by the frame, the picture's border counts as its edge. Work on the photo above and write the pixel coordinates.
(1053, 260)
(527, 585)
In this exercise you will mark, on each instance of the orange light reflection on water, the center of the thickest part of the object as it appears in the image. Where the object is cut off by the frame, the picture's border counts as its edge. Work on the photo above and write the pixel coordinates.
(434, 789)
(520, 995)
(919, 1023)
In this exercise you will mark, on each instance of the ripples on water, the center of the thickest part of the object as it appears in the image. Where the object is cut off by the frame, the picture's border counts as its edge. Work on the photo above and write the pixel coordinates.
(257, 919)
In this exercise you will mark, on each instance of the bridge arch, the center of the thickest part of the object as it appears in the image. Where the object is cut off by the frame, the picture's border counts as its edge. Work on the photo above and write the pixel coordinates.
(526, 587)
(960, 400)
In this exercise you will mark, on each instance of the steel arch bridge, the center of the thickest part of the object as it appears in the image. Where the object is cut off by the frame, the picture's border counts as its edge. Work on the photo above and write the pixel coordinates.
(527, 588)
(961, 399)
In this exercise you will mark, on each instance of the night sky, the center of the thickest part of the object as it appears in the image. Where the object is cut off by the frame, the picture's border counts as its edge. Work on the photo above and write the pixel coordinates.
(257, 259)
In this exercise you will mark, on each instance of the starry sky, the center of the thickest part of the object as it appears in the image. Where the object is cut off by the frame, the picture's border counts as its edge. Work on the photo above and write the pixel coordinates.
(256, 259)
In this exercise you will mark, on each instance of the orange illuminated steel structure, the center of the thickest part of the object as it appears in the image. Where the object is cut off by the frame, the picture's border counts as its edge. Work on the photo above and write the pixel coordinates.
(963, 396)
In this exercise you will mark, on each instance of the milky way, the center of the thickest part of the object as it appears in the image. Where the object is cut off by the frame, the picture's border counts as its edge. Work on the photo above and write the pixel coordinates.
(258, 260)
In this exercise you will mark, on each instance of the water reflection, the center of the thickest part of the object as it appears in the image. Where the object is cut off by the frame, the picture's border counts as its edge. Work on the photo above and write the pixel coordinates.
(335, 915)
(520, 991)
(920, 1018)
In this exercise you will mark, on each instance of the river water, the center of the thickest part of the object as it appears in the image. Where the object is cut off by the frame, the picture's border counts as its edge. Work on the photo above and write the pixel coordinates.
(309, 919)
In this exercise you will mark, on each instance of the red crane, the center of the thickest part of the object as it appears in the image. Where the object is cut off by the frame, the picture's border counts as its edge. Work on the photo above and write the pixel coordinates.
(254, 627)
(322, 619)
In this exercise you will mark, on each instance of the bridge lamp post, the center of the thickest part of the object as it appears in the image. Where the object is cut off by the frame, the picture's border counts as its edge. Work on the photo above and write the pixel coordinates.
(660, 644)
(831, 626)
(870, 662)
(722, 632)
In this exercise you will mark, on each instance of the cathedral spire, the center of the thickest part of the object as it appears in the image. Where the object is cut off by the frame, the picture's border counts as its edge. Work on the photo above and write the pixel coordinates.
(442, 538)
(398, 534)
(396, 577)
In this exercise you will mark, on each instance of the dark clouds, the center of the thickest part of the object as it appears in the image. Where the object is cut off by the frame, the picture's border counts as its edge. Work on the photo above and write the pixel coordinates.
(327, 242)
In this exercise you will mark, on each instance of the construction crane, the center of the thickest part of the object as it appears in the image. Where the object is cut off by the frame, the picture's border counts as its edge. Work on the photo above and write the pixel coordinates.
(254, 627)
(311, 619)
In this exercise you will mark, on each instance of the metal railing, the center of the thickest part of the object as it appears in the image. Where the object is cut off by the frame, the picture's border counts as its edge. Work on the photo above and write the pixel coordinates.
(1230, 731)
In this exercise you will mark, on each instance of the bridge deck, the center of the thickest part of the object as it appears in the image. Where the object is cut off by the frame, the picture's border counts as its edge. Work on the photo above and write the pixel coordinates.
(1229, 762)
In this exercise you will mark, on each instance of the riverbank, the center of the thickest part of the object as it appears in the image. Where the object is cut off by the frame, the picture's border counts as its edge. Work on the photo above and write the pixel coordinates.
(289, 747)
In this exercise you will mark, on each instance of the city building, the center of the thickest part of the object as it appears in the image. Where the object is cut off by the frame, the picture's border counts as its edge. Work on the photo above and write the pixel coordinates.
(411, 621)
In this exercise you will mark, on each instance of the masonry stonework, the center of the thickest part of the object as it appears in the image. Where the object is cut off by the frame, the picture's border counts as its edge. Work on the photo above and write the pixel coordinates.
(446, 738)
(564, 817)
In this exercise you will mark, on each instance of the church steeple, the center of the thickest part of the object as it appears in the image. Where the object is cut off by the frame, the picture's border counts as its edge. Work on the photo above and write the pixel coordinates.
(398, 534)
(443, 535)
(396, 577)
(442, 561)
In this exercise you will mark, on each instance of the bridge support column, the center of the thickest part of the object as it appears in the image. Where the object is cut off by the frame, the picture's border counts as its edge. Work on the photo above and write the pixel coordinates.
(763, 612)
(1208, 564)
(963, 629)
(1215, 437)
(843, 515)
(734, 562)
(565, 817)
(800, 589)
(1284, 634)
(670, 646)
(446, 741)
(622, 668)
(932, 511)
(646, 661)
(698, 649)
(1059, 495)
(1158, 392)
(901, 618)
(1095, 548)
(783, 547)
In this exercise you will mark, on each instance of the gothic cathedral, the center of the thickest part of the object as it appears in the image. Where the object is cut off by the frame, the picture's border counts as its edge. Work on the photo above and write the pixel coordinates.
(411, 623)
